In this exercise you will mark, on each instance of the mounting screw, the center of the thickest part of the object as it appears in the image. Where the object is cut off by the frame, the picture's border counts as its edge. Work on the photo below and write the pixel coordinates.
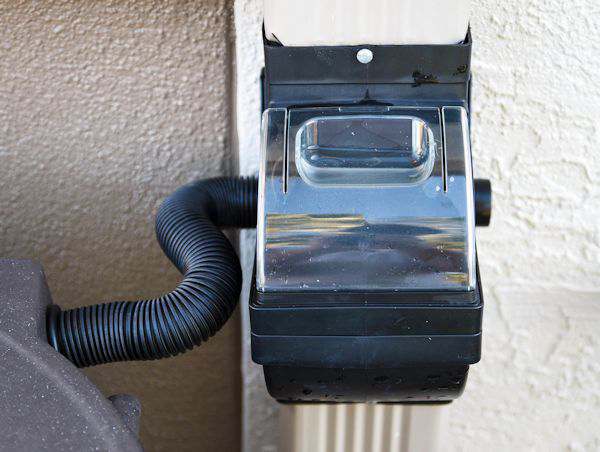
(365, 56)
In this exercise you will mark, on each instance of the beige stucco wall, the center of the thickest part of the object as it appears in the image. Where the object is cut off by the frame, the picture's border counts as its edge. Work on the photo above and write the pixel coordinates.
(536, 129)
(105, 108)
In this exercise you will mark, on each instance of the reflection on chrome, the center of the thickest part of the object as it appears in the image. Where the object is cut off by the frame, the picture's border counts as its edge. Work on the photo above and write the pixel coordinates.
(298, 246)
(355, 220)
(318, 224)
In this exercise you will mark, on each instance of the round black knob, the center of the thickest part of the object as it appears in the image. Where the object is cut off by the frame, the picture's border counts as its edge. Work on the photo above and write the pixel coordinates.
(483, 202)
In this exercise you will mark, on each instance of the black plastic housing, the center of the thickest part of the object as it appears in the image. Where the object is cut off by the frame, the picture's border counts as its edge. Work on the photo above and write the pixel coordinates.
(326, 350)
(398, 75)
(356, 347)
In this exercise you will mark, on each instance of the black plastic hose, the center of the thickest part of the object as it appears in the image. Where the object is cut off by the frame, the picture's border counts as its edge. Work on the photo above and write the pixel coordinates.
(188, 229)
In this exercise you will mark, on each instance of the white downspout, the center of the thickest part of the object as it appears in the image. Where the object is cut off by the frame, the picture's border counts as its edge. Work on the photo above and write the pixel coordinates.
(361, 428)
(354, 22)
(345, 427)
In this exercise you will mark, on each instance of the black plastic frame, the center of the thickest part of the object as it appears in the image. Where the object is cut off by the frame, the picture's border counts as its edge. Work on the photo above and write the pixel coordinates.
(356, 347)
(414, 384)
(398, 75)
(371, 335)
(394, 64)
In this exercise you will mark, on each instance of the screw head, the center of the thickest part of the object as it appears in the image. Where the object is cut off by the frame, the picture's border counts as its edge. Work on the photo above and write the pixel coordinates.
(365, 56)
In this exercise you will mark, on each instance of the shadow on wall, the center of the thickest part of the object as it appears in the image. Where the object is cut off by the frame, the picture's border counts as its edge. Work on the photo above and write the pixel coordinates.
(107, 108)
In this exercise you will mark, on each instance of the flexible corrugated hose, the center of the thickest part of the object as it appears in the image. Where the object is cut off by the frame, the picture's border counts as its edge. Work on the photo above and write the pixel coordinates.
(188, 230)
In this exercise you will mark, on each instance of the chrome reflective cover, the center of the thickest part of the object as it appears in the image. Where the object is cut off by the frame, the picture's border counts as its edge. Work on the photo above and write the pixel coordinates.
(365, 199)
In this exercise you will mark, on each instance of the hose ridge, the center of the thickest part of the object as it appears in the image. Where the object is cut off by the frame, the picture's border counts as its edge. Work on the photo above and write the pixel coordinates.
(188, 230)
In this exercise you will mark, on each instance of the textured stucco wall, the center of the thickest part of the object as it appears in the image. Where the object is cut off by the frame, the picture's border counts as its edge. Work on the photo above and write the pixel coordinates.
(536, 130)
(105, 108)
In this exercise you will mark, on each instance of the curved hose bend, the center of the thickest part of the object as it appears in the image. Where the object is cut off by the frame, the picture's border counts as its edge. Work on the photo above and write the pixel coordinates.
(187, 228)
